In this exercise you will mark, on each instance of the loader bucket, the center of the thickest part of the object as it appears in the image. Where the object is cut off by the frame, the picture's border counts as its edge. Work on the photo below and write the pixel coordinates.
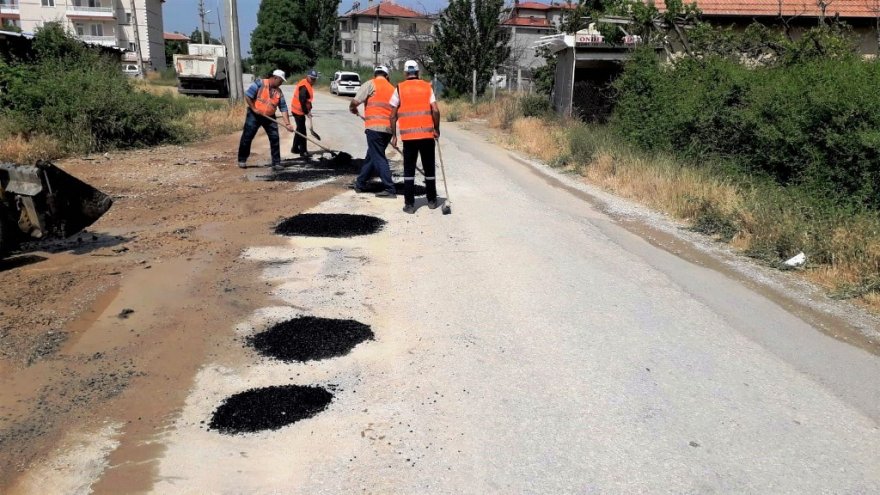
(53, 203)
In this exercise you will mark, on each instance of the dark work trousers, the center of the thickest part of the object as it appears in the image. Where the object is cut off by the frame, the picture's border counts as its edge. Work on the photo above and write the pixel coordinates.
(299, 141)
(376, 163)
(412, 149)
(252, 124)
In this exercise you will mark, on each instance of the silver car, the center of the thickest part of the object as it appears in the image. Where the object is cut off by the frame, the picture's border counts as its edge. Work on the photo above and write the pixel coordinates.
(345, 83)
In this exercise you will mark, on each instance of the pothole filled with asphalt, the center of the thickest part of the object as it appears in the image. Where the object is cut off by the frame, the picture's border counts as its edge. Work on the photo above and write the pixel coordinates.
(308, 338)
(268, 408)
(329, 225)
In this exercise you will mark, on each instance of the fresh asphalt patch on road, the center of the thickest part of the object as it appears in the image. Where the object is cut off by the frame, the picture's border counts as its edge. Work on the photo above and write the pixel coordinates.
(268, 408)
(308, 338)
(330, 225)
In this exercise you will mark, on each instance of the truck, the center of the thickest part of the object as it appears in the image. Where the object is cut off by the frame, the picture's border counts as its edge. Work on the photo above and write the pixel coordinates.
(42, 202)
(202, 71)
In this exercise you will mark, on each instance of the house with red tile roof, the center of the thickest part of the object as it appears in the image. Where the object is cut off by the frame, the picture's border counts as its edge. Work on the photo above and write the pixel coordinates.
(383, 32)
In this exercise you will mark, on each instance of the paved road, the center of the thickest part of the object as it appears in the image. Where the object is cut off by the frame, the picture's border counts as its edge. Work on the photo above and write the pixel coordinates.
(528, 343)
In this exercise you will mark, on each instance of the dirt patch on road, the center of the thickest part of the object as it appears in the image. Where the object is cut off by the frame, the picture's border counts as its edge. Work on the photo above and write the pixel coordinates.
(167, 256)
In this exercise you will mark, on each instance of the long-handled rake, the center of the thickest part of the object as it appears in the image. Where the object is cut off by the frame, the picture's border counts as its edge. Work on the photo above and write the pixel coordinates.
(447, 205)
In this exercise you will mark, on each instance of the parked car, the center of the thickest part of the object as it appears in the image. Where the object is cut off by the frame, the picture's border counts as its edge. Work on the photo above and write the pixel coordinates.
(130, 70)
(345, 83)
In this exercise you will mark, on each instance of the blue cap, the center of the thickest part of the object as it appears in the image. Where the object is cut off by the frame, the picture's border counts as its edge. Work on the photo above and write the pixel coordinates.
(313, 73)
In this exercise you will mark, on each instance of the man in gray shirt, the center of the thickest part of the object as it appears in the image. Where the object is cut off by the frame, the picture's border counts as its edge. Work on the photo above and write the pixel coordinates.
(375, 95)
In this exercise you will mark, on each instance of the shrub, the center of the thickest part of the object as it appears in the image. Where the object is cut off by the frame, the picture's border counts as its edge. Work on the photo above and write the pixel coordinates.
(814, 124)
(79, 97)
(535, 106)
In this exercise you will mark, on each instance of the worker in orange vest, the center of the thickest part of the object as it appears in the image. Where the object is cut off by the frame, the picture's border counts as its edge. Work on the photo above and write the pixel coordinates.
(263, 97)
(301, 107)
(414, 110)
(375, 95)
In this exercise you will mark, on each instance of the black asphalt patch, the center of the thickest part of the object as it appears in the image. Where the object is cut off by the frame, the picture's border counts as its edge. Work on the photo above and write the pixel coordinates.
(268, 408)
(308, 338)
(329, 225)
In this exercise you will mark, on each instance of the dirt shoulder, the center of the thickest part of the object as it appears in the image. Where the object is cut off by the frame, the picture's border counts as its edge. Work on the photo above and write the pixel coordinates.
(118, 318)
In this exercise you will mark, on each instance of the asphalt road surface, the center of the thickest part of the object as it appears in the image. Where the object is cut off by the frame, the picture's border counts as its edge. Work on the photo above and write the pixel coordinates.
(531, 342)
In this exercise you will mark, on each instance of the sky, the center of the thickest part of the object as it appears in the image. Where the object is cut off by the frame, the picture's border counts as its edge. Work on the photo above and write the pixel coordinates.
(182, 15)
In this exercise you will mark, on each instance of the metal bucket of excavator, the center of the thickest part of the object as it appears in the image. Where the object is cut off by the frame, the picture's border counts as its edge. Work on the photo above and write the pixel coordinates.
(48, 202)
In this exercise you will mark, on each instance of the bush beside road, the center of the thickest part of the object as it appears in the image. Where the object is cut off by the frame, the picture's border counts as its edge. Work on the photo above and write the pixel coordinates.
(70, 99)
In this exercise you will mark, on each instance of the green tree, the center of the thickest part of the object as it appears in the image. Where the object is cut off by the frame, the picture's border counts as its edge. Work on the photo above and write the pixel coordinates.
(292, 34)
(196, 37)
(469, 37)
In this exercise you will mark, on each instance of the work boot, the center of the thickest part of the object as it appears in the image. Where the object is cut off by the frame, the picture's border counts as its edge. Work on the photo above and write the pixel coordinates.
(386, 194)
(409, 209)
(242, 165)
(433, 204)
(277, 167)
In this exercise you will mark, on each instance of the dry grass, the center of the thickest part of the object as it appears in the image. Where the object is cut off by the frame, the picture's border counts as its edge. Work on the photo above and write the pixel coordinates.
(213, 122)
(763, 222)
(18, 149)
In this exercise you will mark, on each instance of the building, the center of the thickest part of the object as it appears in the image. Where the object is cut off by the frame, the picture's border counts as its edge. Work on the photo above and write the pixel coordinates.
(796, 16)
(527, 23)
(100, 22)
(383, 32)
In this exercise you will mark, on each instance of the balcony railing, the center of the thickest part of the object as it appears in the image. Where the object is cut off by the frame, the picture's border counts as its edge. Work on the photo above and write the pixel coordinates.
(80, 10)
(9, 8)
(99, 40)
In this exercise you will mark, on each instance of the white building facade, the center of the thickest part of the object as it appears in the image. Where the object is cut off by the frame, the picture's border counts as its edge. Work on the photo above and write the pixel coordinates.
(102, 22)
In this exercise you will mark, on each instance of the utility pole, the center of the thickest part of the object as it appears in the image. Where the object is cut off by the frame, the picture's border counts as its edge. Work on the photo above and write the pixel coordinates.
(137, 39)
(202, 18)
(233, 53)
(378, 26)
(474, 89)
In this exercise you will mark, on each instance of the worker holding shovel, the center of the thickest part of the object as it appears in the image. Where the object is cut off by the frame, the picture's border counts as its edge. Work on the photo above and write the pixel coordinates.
(414, 109)
(375, 95)
(301, 107)
(263, 97)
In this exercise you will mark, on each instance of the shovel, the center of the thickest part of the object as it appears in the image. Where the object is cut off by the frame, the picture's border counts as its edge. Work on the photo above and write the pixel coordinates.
(312, 129)
(337, 157)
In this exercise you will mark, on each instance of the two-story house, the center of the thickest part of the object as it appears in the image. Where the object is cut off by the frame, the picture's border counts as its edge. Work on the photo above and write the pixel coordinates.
(103, 22)
(527, 22)
(383, 33)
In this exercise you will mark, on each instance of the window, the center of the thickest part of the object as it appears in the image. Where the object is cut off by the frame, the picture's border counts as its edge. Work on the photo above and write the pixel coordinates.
(131, 47)
(47, 3)
(96, 29)
(346, 46)
(377, 46)
(80, 29)
(377, 25)
(128, 17)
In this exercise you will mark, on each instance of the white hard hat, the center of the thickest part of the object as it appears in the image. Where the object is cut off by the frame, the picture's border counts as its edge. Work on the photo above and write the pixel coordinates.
(410, 66)
(279, 73)
(381, 68)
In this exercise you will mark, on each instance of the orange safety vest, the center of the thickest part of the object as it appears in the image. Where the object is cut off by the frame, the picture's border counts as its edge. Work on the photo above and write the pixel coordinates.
(295, 107)
(414, 115)
(267, 99)
(377, 111)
